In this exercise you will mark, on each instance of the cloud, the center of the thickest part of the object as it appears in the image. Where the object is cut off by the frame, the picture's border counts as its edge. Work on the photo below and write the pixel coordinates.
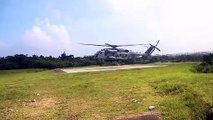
(47, 38)
(182, 25)
(37, 38)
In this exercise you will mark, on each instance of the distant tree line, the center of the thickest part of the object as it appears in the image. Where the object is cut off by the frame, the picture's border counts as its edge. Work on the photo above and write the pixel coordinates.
(207, 64)
(178, 58)
(163, 58)
(20, 61)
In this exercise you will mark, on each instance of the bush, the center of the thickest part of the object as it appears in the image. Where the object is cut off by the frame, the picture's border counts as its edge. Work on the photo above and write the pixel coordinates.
(206, 66)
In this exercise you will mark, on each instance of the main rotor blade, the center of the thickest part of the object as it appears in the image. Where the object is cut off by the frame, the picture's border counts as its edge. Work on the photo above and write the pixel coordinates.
(114, 46)
(107, 44)
(131, 45)
(124, 45)
(92, 44)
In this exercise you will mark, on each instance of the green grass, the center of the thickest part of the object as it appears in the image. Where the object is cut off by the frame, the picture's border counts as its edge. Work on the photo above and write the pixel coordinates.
(177, 93)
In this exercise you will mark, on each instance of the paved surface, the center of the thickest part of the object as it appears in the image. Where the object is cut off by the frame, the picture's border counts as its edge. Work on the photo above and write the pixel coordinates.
(107, 68)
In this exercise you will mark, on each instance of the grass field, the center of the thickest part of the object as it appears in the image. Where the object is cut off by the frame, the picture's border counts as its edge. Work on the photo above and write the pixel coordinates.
(177, 93)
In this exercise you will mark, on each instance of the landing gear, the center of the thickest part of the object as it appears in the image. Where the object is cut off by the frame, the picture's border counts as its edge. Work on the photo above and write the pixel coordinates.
(103, 62)
(100, 62)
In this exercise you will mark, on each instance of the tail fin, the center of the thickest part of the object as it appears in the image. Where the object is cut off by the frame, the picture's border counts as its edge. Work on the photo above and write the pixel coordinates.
(151, 49)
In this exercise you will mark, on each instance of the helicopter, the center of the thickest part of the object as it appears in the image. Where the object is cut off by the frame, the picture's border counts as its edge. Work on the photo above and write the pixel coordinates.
(115, 53)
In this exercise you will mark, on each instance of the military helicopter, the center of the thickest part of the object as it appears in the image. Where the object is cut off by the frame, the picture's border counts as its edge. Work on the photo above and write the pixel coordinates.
(115, 53)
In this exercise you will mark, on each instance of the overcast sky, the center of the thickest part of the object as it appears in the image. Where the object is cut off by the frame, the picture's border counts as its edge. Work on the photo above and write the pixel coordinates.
(50, 27)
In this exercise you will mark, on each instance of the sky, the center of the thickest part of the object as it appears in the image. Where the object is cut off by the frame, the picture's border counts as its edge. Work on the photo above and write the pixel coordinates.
(51, 27)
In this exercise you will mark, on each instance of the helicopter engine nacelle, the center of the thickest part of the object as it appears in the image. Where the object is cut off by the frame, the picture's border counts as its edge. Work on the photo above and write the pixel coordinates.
(100, 55)
(111, 51)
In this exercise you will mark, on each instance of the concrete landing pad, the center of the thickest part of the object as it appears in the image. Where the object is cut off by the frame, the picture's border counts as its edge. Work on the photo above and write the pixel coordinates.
(107, 68)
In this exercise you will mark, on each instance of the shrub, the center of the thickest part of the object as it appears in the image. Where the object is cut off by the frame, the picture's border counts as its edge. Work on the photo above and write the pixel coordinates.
(206, 66)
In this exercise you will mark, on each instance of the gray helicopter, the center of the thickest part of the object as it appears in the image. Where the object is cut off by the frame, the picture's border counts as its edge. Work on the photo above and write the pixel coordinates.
(115, 53)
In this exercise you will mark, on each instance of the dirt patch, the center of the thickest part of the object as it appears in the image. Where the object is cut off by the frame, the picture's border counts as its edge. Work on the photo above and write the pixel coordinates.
(43, 103)
(144, 116)
(57, 71)
(77, 105)
(39, 107)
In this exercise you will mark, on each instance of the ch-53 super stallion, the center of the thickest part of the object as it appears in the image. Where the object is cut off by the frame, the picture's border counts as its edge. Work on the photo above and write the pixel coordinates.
(115, 53)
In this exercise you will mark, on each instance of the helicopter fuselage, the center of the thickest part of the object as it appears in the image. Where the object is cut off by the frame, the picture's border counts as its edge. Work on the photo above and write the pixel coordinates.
(116, 54)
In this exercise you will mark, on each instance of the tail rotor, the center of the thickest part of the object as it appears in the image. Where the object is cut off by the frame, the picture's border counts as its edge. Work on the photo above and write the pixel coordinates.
(152, 48)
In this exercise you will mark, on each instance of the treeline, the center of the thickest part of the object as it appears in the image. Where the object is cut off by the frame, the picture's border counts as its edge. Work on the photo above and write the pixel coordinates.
(207, 64)
(165, 58)
(20, 61)
(178, 58)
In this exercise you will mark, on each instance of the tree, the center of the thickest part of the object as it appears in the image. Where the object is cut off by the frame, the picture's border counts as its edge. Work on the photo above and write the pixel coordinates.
(208, 59)
(63, 56)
